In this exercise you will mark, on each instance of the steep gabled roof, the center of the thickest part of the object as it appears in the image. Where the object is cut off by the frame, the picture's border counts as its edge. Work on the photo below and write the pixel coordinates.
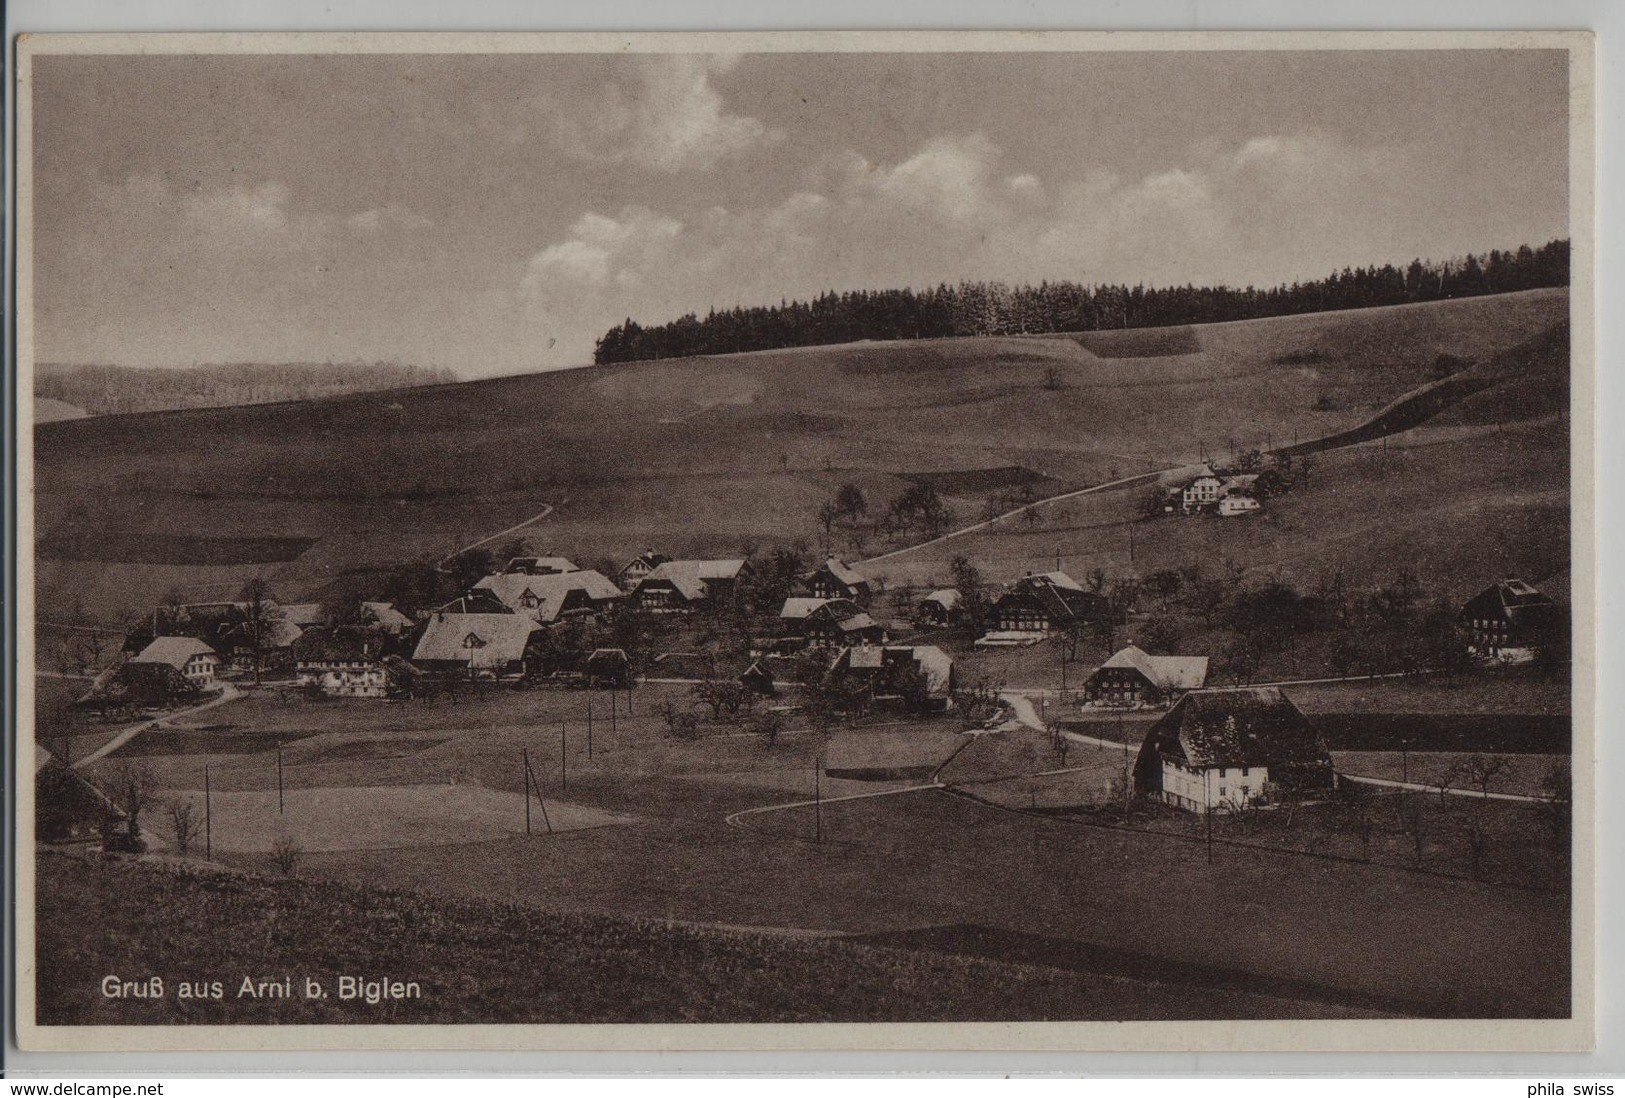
(347, 645)
(1185, 476)
(1244, 726)
(481, 641)
(1165, 672)
(1519, 603)
(840, 570)
(946, 597)
(385, 616)
(797, 607)
(650, 558)
(937, 667)
(174, 651)
(689, 577)
(304, 613)
(548, 591)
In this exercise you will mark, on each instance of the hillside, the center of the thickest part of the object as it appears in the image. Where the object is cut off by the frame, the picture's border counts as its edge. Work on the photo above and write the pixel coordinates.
(499, 962)
(705, 455)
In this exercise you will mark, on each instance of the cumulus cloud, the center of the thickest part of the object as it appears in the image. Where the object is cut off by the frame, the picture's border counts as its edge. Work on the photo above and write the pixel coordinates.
(1275, 207)
(670, 118)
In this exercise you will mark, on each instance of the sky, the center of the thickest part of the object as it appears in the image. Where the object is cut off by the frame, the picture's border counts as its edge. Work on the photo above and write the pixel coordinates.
(495, 214)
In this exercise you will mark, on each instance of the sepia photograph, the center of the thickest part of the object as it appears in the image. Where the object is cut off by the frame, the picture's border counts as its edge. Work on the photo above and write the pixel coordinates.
(656, 541)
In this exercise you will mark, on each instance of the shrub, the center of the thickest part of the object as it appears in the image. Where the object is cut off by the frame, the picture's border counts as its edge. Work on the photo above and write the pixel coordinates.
(286, 855)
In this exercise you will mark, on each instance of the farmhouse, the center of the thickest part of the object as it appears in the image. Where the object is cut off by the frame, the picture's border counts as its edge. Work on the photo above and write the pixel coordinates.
(921, 676)
(1037, 605)
(941, 607)
(188, 655)
(835, 579)
(538, 566)
(548, 597)
(1220, 749)
(1511, 621)
(838, 623)
(267, 642)
(679, 585)
(342, 662)
(1133, 677)
(829, 622)
(640, 566)
(1195, 489)
(479, 645)
(1231, 506)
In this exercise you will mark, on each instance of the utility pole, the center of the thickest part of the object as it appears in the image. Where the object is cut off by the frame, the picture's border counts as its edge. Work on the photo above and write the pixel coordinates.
(1404, 761)
(611, 710)
(532, 784)
(1131, 541)
(524, 761)
(818, 804)
(208, 817)
(279, 807)
(1207, 806)
(564, 754)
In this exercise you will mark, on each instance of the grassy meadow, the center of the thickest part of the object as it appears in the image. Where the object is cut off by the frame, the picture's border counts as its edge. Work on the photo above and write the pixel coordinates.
(702, 456)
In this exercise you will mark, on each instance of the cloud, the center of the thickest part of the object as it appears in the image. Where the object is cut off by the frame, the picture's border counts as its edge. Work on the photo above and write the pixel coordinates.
(1272, 208)
(670, 119)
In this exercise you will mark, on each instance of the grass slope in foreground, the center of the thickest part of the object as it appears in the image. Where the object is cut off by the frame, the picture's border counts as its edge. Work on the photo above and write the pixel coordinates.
(511, 963)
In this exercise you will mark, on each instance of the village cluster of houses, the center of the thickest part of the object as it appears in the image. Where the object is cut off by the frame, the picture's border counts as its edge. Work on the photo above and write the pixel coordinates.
(488, 631)
(1212, 750)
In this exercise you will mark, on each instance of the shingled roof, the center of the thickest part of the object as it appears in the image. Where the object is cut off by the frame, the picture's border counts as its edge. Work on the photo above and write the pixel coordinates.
(174, 651)
(689, 577)
(1164, 672)
(481, 641)
(548, 591)
(1243, 726)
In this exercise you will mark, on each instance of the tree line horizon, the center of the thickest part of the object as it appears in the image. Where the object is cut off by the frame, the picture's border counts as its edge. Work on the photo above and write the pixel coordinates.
(986, 308)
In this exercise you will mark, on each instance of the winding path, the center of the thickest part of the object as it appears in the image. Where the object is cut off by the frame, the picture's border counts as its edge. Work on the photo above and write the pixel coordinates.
(228, 692)
(996, 519)
(547, 509)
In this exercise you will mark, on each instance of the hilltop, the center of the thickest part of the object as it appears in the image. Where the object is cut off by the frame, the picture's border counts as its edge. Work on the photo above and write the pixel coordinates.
(705, 455)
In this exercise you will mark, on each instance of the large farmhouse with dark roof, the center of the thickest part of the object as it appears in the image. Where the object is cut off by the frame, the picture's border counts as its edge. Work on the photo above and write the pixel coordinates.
(1511, 621)
(835, 579)
(1217, 749)
(1133, 677)
(679, 585)
(1037, 605)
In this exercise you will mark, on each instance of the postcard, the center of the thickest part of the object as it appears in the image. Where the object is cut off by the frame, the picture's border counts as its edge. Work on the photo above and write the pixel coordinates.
(806, 541)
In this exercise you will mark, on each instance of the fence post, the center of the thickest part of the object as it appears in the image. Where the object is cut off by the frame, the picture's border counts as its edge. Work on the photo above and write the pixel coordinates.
(532, 783)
